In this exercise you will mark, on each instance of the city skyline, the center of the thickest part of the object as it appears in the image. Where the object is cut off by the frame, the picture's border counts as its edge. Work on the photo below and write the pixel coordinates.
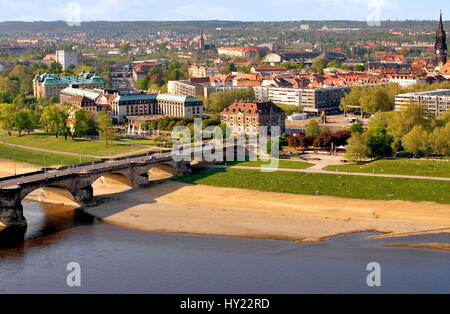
(148, 10)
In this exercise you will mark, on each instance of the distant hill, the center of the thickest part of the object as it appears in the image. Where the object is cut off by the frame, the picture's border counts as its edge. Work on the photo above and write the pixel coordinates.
(191, 26)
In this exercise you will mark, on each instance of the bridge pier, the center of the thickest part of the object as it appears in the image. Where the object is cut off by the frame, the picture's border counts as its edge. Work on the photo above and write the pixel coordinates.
(11, 210)
(84, 196)
(13, 217)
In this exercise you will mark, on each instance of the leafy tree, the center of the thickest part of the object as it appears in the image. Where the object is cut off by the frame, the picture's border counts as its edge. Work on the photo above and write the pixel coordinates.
(340, 137)
(125, 48)
(379, 142)
(9, 86)
(142, 83)
(375, 99)
(105, 126)
(35, 117)
(439, 139)
(356, 128)
(220, 100)
(359, 68)
(352, 99)
(313, 129)
(333, 64)
(357, 147)
(21, 72)
(324, 140)
(417, 141)
(26, 85)
(84, 123)
(54, 121)
(400, 123)
(227, 68)
(319, 64)
(23, 121)
(55, 68)
(7, 117)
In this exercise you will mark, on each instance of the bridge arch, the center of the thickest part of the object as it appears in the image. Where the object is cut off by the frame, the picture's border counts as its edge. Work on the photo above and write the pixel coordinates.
(51, 194)
(162, 171)
(111, 183)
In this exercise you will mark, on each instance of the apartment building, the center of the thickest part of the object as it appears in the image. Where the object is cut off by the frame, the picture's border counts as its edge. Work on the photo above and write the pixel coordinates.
(314, 101)
(185, 88)
(66, 58)
(202, 70)
(435, 102)
(288, 96)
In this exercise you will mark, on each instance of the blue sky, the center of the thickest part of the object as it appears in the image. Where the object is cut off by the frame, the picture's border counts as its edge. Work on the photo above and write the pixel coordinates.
(243, 10)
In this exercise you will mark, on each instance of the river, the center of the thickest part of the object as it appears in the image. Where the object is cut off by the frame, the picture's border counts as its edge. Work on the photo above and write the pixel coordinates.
(115, 259)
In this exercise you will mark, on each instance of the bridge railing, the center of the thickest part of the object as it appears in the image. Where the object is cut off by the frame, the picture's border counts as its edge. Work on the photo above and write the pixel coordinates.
(28, 174)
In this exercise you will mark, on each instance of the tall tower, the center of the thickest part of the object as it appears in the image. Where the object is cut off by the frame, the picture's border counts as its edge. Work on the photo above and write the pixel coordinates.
(201, 44)
(441, 45)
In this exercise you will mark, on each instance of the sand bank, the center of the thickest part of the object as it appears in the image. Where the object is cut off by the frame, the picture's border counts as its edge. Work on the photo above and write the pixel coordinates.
(8, 167)
(181, 208)
(432, 246)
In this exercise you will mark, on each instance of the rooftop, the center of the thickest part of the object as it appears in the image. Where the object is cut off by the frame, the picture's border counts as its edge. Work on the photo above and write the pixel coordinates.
(176, 98)
(83, 78)
(81, 92)
(135, 97)
(436, 92)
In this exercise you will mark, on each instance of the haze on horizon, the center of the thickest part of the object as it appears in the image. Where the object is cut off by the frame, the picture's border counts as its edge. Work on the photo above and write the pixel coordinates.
(232, 10)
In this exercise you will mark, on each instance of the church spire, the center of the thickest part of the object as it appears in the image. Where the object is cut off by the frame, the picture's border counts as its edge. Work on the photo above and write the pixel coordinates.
(441, 44)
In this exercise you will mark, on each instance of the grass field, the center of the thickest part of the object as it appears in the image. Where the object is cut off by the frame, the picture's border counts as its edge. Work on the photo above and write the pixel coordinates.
(286, 164)
(326, 184)
(97, 148)
(427, 168)
(37, 158)
(139, 141)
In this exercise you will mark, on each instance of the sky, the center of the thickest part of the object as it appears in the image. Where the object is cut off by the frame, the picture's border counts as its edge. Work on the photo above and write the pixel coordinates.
(235, 10)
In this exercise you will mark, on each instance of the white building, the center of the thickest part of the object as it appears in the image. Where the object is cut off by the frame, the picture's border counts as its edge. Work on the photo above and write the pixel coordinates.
(406, 80)
(66, 58)
(288, 96)
(435, 102)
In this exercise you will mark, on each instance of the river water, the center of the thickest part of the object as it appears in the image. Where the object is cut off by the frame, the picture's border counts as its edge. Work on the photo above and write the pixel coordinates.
(115, 259)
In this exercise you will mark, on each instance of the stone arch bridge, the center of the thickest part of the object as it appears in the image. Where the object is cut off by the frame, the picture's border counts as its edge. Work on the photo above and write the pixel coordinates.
(78, 181)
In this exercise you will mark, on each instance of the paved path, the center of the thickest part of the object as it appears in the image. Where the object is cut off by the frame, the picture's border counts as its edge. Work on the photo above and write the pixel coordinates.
(134, 152)
(311, 170)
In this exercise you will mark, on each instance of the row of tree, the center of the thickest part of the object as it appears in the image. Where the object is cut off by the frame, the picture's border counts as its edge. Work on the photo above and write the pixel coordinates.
(410, 132)
(381, 98)
(323, 140)
(218, 101)
(54, 120)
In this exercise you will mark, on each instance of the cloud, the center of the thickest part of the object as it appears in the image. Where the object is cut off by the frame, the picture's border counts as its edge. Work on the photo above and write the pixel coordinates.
(246, 10)
(202, 10)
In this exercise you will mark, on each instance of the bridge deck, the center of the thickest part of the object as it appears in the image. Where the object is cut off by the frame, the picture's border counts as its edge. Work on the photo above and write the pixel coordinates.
(102, 167)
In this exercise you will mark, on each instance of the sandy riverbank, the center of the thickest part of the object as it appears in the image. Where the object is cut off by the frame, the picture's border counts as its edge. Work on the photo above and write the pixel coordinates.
(180, 208)
(7, 168)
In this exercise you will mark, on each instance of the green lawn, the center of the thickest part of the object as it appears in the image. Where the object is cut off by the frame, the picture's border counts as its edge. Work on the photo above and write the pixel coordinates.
(139, 141)
(286, 164)
(97, 148)
(37, 158)
(376, 188)
(428, 168)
